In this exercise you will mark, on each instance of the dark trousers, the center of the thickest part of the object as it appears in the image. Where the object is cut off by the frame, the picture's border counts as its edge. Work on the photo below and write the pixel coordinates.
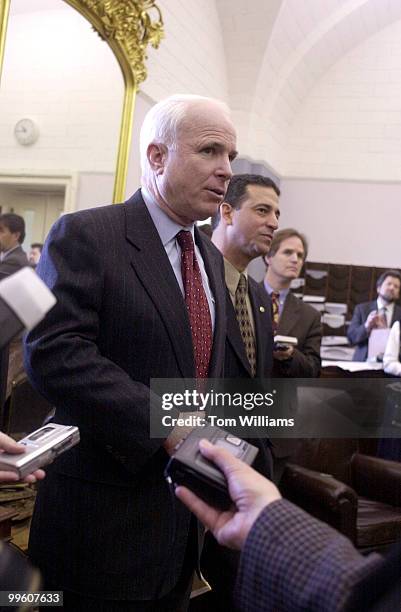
(177, 600)
(219, 566)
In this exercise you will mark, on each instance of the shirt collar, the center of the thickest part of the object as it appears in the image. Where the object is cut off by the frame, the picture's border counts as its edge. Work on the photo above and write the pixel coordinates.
(382, 304)
(232, 276)
(283, 293)
(166, 227)
(5, 253)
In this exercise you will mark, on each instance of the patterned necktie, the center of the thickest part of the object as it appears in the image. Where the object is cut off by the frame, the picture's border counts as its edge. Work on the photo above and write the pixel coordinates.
(197, 304)
(275, 309)
(244, 322)
(383, 317)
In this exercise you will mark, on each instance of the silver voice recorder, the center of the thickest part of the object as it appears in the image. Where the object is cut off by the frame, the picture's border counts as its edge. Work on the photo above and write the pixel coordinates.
(42, 447)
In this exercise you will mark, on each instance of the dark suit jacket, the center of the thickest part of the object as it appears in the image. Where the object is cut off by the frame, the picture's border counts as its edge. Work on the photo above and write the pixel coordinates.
(104, 516)
(292, 561)
(302, 321)
(236, 363)
(16, 260)
(357, 333)
(220, 564)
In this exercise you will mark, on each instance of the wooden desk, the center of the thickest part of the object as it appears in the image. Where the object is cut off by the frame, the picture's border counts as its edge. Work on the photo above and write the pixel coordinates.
(352, 369)
(6, 515)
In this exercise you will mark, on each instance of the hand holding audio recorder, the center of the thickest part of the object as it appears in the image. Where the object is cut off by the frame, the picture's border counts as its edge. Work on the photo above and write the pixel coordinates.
(188, 467)
(42, 447)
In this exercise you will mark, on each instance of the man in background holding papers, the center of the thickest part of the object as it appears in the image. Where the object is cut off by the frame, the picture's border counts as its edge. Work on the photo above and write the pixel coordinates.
(379, 314)
(291, 316)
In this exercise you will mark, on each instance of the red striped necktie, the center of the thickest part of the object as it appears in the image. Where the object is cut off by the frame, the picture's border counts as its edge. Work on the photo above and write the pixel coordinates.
(197, 304)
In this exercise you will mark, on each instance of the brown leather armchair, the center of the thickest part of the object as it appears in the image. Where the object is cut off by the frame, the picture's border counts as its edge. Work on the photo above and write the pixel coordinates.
(355, 493)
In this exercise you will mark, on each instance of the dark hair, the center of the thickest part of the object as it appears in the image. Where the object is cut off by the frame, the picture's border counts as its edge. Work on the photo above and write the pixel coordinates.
(284, 234)
(384, 275)
(15, 224)
(236, 192)
(37, 245)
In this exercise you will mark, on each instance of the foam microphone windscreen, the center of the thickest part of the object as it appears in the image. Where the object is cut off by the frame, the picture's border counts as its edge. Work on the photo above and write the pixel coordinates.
(24, 301)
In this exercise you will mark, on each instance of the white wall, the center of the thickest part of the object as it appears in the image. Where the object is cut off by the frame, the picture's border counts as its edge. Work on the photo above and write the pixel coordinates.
(58, 72)
(142, 104)
(349, 132)
(350, 125)
(345, 222)
(191, 57)
(94, 189)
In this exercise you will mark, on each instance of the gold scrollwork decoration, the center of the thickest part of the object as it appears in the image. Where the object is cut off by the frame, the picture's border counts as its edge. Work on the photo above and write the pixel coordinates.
(127, 24)
(128, 28)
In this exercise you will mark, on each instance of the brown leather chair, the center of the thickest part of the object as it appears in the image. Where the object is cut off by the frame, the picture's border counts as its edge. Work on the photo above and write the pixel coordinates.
(355, 493)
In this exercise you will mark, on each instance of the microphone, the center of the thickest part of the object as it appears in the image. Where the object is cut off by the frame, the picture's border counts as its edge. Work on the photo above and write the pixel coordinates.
(24, 301)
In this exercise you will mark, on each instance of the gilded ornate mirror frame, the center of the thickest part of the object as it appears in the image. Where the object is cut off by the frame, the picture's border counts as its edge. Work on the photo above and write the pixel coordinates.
(4, 10)
(128, 28)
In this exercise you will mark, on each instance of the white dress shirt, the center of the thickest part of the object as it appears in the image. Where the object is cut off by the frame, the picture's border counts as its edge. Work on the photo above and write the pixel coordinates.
(391, 359)
(389, 308)
(167, 230)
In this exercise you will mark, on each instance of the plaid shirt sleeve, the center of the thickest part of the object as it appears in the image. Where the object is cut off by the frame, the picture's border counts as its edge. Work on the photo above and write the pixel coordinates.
(293, 562)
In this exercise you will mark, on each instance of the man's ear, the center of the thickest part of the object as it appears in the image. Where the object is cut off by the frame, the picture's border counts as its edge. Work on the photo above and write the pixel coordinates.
(226, 213)
(157, 155)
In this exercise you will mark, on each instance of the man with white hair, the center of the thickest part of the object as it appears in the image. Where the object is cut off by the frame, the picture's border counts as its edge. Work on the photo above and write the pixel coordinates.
(140, 295)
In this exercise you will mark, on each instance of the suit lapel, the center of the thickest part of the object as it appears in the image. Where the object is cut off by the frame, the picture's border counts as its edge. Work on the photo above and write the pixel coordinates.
(214, 269)
(234, 335)
(16, 253)
(371, 306)
(396, 314)
(260, 334)
(290, 315)
(153, 268)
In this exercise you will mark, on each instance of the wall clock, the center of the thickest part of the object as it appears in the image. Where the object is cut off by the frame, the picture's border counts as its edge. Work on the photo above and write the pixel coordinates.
(26, 131)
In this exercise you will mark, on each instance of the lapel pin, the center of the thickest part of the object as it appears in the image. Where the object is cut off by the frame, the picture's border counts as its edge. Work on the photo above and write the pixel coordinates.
(261, 308)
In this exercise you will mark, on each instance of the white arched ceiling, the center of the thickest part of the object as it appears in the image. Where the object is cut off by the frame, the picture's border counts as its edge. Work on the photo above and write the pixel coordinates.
(246, 27)
(277, 51)
(349, 126)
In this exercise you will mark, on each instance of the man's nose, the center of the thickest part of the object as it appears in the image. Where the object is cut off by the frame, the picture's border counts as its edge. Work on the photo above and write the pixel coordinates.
(272, 221)
(225, 169)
